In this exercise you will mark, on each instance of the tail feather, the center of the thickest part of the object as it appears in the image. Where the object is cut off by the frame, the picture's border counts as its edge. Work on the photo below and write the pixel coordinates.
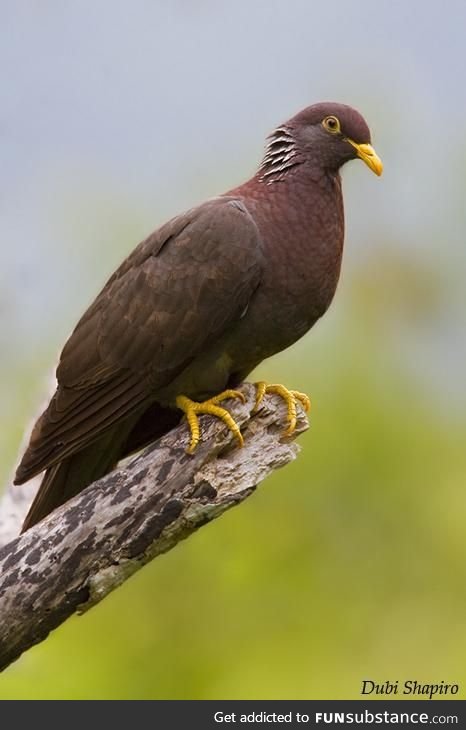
(74, 473)
(64, 480)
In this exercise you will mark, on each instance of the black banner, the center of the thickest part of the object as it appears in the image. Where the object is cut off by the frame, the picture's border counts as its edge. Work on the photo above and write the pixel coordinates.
(222, 715)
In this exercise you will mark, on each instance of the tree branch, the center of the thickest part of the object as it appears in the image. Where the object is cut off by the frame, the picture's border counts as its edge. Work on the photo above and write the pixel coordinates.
(90, 545)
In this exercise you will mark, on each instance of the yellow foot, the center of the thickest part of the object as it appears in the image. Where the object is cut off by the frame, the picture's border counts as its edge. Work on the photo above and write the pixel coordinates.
(192, 409)
(289, 396)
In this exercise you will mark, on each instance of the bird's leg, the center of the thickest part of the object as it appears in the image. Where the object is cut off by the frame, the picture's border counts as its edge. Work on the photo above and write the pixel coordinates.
(192, 409)
(289, 396)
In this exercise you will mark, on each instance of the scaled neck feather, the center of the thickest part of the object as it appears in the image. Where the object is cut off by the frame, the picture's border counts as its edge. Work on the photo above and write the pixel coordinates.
(281, 155)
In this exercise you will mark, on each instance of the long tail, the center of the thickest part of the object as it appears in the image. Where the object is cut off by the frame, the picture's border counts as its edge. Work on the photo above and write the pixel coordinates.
(70, 476)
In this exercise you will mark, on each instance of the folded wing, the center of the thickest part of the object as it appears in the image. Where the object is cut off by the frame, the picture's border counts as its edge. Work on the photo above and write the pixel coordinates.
(175, 294)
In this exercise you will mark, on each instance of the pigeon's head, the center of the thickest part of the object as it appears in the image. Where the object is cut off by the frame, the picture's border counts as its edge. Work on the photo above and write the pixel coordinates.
(335, 133)
(326, 135)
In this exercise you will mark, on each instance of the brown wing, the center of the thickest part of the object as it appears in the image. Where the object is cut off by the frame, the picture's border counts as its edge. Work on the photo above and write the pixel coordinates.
(178, 291)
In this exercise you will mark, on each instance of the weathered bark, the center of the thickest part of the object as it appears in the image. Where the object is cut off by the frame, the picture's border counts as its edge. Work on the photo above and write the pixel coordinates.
(89, 546)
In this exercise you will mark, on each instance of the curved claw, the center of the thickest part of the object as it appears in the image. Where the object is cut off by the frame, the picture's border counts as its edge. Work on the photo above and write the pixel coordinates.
(289, 396)
(261, 390)
(192, 409)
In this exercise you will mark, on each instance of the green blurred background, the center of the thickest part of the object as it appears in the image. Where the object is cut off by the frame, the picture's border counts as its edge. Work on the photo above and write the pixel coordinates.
(350, 563)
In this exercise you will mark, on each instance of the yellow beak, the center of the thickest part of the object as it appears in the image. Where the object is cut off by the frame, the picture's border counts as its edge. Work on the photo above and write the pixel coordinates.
(368, 155)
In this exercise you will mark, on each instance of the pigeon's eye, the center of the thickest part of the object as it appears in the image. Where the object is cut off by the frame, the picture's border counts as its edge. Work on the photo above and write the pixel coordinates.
(332, 125)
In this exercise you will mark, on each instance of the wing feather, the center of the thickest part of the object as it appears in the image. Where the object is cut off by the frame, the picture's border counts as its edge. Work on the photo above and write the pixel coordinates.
(173, 296)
